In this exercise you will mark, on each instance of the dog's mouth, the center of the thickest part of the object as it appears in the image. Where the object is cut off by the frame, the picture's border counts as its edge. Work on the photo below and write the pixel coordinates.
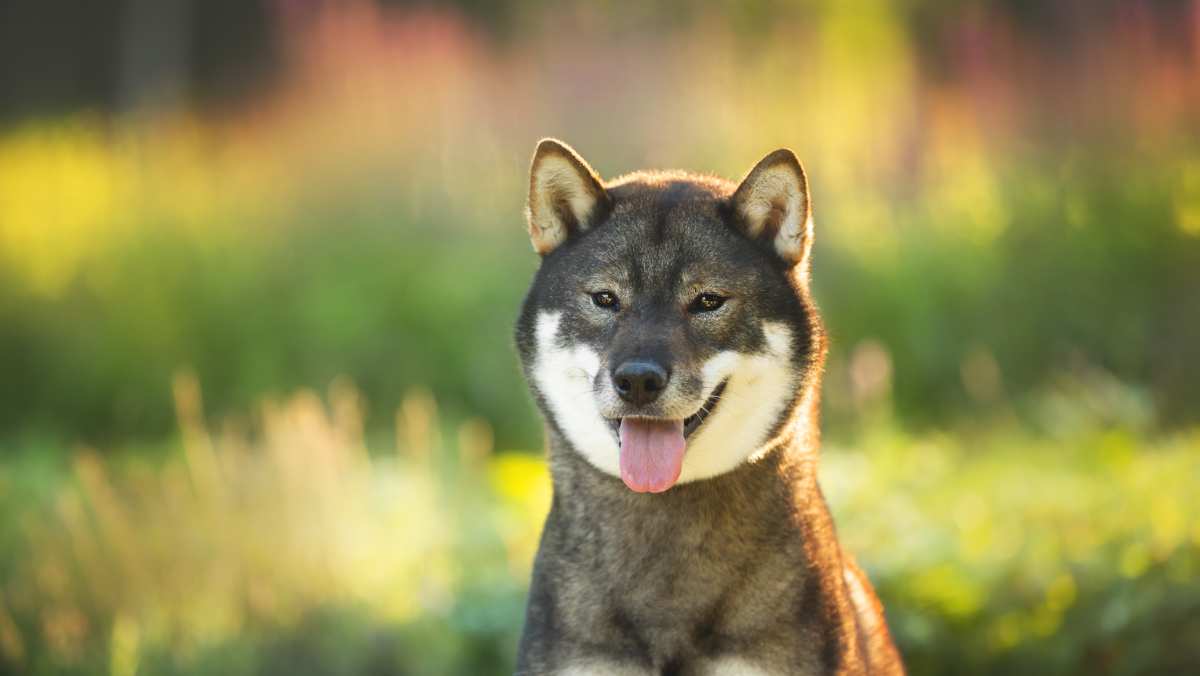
(652, 449)
(695, 420)
(690, 423)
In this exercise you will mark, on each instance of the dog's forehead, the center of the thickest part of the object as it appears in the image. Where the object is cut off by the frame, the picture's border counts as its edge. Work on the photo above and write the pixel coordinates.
(664, 232)
(668, 210)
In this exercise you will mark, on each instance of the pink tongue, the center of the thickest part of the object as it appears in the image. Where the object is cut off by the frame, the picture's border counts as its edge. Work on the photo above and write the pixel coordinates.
(651, 453)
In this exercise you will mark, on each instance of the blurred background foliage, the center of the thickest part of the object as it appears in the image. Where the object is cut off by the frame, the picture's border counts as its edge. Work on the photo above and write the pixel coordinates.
(311, 212)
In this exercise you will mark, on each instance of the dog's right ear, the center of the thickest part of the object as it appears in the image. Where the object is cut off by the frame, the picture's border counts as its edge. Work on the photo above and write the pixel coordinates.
(565, 195)
(772, 204)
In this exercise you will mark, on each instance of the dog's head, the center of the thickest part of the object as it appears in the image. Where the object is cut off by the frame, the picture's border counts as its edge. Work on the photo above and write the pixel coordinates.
(668, 335)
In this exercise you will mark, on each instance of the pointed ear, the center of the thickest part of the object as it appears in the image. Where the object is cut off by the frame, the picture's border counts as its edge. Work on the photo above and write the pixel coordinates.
(565, 195)
(772, 204)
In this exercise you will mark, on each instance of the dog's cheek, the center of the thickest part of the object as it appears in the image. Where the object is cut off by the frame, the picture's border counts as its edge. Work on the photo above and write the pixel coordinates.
(719, 367)
(565, 375)
(761, 388)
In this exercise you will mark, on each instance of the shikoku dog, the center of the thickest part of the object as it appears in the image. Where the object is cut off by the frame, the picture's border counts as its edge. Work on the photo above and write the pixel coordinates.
(671, 342)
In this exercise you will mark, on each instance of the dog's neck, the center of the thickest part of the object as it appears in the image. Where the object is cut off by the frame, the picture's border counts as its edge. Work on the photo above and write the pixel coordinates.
(696, 559)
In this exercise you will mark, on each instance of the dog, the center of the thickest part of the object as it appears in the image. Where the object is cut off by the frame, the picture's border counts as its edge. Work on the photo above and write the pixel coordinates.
(671, 342)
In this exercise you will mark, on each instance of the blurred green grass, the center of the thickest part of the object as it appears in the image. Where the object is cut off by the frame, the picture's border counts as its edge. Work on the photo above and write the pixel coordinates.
(363, 218)
(1100, 276)
(1007, 257)
(301, 548)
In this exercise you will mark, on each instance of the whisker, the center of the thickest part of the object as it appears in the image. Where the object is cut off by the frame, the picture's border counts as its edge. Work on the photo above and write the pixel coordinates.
(713, 398)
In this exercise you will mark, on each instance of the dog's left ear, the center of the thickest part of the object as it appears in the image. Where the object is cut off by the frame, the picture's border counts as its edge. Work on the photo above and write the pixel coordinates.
(565, 195)
(772, 204)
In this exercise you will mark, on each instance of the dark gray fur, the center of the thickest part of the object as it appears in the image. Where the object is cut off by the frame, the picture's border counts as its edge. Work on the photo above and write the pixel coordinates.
(745, 564)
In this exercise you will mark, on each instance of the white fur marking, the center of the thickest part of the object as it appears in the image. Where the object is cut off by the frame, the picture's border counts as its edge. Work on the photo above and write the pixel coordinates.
(759, 388)
(564, 377)
(598, 668)
(735, 666)
(725, 666)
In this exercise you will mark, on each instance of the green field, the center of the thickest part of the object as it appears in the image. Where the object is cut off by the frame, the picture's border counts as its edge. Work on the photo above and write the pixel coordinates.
(307, 550)
(260, 411)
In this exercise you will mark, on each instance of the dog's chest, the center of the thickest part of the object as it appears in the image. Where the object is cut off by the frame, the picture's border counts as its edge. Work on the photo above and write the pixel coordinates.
(682, 591)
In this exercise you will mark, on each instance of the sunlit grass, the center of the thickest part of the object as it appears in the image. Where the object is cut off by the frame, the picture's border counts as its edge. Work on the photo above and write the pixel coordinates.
(993, 544)
(335, 222)
(231, 531)
(1006, 533)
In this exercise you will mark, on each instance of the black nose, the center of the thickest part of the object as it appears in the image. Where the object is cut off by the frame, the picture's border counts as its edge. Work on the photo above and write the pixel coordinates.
(639, 382)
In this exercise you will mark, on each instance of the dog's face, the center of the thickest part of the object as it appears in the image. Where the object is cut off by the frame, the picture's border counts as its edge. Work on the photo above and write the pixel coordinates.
(668, 335)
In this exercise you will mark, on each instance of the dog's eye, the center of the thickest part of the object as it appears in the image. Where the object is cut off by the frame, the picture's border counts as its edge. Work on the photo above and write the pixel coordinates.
(607, 300)
(706, 302)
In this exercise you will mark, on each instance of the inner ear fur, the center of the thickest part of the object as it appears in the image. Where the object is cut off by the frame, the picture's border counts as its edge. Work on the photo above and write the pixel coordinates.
(565, 195)
(772, 204)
